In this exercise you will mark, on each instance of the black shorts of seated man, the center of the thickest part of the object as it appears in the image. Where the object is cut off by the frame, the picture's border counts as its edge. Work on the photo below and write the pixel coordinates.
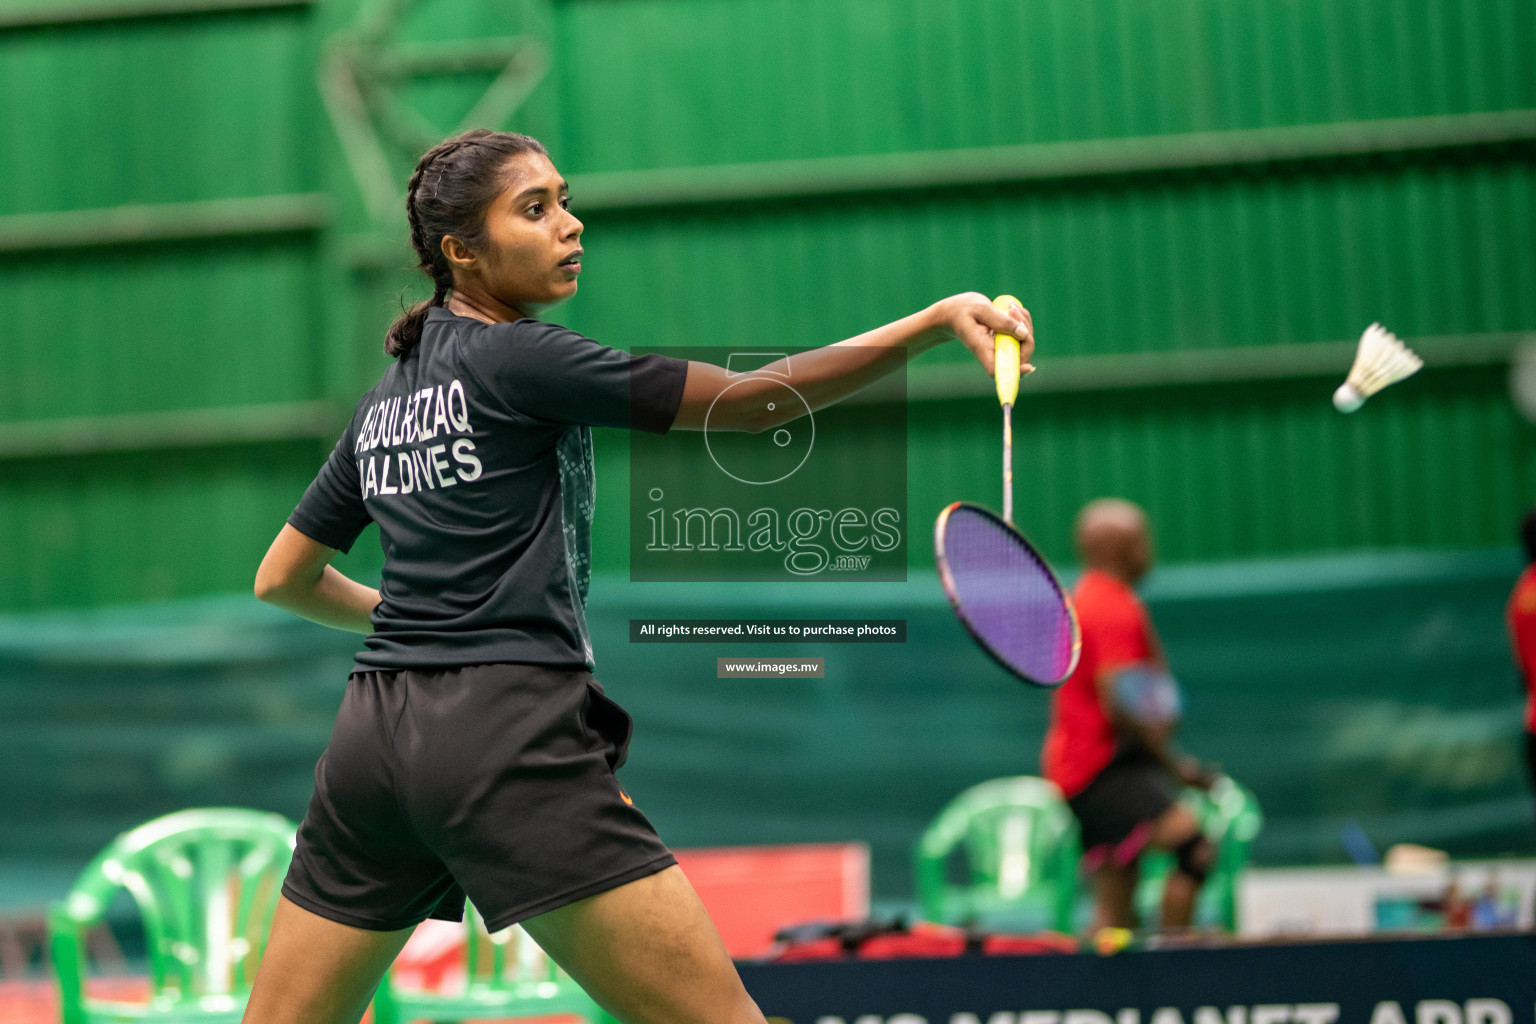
(1109, 747)
(474, 753)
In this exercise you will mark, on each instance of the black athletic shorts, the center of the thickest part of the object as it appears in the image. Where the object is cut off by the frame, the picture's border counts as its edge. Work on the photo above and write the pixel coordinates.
(1116, 810)
(494, 781)
(1530, 757)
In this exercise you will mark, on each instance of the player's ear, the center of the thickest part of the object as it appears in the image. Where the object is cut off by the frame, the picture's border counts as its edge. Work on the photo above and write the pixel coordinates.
(459, 254)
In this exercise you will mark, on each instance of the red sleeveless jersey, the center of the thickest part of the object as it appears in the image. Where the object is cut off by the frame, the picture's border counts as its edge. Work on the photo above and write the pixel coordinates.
(1116, 632)
(1520, 613)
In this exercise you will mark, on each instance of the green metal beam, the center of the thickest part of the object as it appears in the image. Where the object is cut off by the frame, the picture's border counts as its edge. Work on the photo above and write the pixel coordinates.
(1218, 366)
(176, 429)
(74, 12)
(368, 65)
(1046, 161)
(785, 180)
(319, 420)
(410, 59)
(163, 222)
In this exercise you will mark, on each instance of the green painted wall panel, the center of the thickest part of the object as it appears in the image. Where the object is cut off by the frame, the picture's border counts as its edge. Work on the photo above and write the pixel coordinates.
(182, 327)
(1405, 688)
(1271, 471)
(160, 110)
(137, 527)
(156, 528)
(1189, 263)
(204, 106)
(768, 79)
(1172, 265)
(154, 110)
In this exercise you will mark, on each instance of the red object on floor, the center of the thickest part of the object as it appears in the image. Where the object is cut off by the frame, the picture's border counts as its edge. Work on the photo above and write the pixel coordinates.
(862, 941)
(1013, 945)
(753, 891)
(922, 939)
(816, 949)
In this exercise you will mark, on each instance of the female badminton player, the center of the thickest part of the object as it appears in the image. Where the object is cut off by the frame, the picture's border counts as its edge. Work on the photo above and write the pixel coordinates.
(473, 752)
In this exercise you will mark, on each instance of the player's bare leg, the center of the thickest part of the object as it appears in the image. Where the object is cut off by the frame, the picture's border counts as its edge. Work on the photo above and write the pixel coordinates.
(318, 971)
(1175, 827)
(1179, 894)
(648, 953)
(1114, 895)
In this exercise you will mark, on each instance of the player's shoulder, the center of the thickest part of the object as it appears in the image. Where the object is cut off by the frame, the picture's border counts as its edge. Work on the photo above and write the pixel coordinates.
(1523, 599)
(525, 344)
(525, 331)
(1100, 592)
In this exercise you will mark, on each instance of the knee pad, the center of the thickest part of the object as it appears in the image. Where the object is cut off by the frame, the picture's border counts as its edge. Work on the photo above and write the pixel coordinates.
(1194, 857)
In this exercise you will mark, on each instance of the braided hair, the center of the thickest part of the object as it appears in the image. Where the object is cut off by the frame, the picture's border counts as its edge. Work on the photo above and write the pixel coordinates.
(454, 184)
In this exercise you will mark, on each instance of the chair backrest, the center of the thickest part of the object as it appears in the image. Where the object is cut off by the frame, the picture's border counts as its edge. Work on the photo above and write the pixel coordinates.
(1020, 844)
(206, 883)
(507, 977)
(1229, 817)
(504, 960)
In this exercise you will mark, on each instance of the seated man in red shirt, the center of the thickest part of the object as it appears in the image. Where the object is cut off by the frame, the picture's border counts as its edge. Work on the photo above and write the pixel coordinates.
(1109, 746)
(1520, 614)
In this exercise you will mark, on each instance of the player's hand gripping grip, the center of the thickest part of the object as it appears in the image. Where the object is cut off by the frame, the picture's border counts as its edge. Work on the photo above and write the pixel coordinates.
(1005, 354)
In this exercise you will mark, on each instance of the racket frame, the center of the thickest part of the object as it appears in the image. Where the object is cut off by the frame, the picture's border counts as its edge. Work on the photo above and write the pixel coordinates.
(947, 579)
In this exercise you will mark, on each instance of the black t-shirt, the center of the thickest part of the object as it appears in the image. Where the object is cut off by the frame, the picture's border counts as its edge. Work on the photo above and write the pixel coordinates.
(474, 456)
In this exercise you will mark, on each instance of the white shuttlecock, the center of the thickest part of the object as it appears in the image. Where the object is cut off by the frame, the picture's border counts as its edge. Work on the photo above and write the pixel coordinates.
(1380, 360)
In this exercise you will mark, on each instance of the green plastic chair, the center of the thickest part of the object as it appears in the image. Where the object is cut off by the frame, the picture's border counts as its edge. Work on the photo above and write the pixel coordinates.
(206, 883)
(1230, 817)
(1020, 845)
(508, 978)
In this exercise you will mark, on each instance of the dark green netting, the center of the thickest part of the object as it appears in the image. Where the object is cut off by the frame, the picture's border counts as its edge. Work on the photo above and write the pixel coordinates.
(1374, 689)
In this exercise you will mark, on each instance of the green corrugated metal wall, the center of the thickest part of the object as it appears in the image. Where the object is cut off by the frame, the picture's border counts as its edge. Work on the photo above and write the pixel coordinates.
(268, 320)
(176, 110)
(647, 83)
(1184, 191)
(1439, 242)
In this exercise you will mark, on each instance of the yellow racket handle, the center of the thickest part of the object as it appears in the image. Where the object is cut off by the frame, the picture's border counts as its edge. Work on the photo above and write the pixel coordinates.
(1005, 354)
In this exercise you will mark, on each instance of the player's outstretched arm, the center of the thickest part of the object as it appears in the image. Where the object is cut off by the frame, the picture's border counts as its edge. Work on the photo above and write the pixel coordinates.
(296, 575)
(825, 375)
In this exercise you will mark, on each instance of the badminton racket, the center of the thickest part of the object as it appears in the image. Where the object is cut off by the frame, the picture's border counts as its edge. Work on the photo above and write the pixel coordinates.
(1002, 590)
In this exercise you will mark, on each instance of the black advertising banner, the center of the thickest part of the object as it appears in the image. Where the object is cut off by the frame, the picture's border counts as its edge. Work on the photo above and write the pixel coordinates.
(1471, 980)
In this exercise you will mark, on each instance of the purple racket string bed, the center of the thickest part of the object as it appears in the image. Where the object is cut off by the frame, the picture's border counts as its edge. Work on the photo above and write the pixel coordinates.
(1006, 595)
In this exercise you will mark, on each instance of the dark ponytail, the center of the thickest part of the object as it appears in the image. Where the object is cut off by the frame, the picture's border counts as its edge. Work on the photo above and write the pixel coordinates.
(455, 182)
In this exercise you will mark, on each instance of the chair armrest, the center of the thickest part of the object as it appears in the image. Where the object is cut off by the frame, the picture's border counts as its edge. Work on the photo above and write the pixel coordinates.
(66, 949)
